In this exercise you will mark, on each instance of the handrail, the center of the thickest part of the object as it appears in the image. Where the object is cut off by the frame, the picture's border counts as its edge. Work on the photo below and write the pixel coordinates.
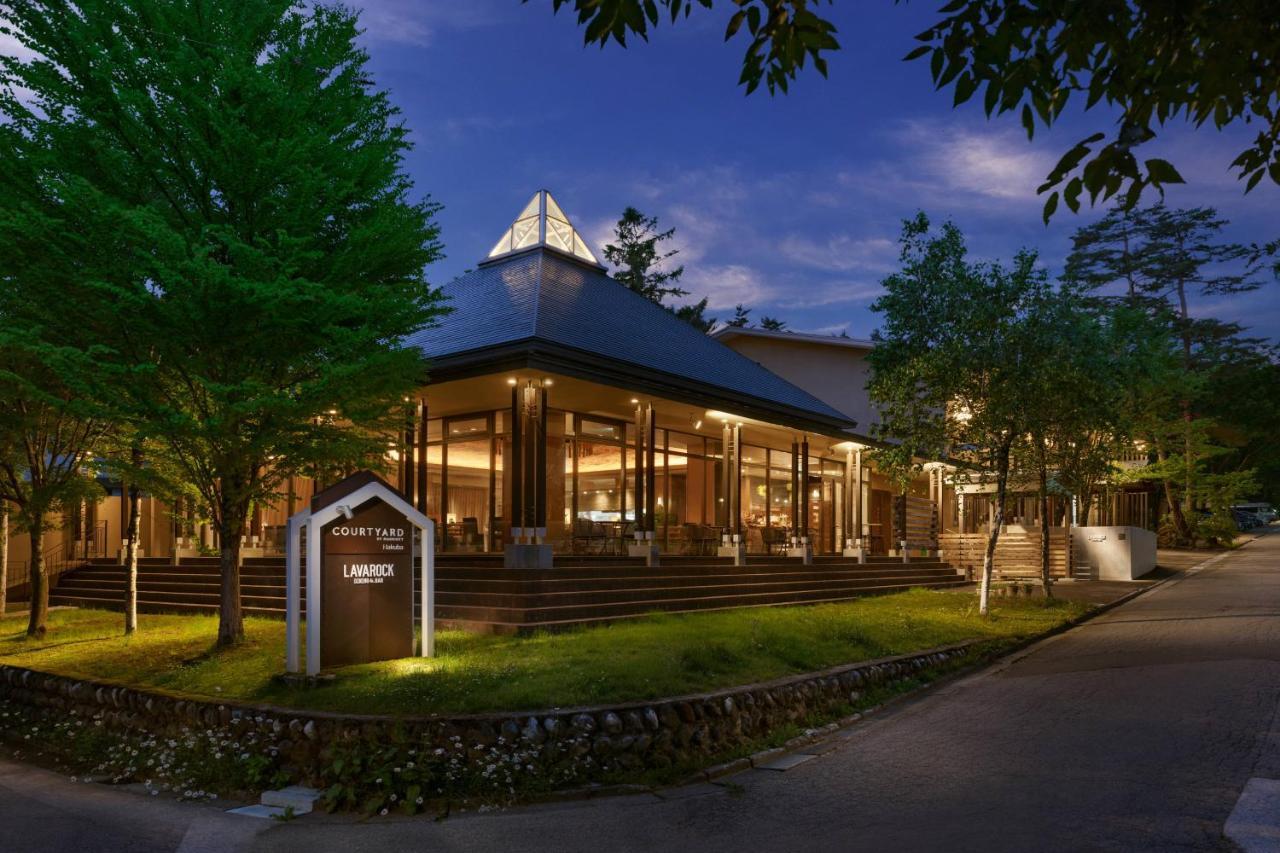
(61, 558)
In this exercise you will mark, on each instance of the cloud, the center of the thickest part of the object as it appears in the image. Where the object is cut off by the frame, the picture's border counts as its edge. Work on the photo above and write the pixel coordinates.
(415, 22)
(727, 285)
(945, 163)
(841, 252)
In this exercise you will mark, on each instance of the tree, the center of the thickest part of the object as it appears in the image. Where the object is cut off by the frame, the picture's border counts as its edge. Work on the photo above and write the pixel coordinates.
(1149, 61)
(784, 34)
(695, 314)
(250, 175)
(740, 317)
(638, 258)
(773, 324)
(4, 555)
(46, 442)
(1073, 382)
(1158, 258)
(952, 356)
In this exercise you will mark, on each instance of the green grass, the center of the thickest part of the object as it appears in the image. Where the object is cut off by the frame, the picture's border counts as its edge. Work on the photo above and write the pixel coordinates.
(660, 655)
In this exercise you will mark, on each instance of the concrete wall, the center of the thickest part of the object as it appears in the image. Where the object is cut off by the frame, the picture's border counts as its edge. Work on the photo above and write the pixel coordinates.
(834, 371)
(1115, 553)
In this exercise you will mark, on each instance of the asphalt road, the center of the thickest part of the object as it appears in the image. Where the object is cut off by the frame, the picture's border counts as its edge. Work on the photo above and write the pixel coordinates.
(1137, 730)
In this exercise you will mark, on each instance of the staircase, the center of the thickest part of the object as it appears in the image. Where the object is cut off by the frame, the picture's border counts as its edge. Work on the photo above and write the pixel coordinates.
(477, 593)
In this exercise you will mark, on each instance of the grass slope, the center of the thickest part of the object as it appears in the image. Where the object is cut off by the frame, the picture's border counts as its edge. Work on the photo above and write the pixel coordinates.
(661, 655)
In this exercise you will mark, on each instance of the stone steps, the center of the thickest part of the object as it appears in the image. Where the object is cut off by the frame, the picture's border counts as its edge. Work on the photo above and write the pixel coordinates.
(481, 594)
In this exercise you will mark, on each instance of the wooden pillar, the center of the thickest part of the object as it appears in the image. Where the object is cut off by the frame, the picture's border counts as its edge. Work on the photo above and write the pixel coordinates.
(857, 502)
(650, 469)
(725, 514)
(406, 457)
(517, 469)
(421, 478)
(804, 487)
(795, 488)
(737, 479)
(638, 477)
(539, 438)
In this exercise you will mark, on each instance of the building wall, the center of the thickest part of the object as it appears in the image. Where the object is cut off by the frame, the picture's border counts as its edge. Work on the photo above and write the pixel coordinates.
(835, 373)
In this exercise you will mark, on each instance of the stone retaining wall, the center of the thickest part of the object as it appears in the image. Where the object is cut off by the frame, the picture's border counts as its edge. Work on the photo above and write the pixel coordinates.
(565, 746)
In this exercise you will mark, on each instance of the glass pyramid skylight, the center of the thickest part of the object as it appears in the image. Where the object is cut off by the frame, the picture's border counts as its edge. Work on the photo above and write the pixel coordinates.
(542, 223)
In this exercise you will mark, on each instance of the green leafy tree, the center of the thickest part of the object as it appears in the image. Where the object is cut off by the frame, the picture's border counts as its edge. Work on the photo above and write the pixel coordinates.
(695, 314)
(741, 317)
(250, 175)
(773, 324)
(47, 436)
(639, 260)
(952, 357)
(1147, 62)
(1154, 260)
(783, 34)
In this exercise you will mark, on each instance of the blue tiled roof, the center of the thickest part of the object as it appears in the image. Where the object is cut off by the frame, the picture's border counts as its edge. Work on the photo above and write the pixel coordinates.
(541, 296)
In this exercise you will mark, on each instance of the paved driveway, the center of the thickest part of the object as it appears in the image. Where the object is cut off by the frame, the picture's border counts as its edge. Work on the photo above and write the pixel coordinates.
(1135, 731)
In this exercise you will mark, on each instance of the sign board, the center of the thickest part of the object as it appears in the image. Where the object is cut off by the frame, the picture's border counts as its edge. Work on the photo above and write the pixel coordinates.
(366, 587)
(360, 548)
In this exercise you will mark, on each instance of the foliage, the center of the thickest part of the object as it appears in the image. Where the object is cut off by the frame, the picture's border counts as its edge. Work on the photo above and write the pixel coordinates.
(1151, 61)
(195, 764)
(773, 324)
(785, 34)
(267, 260)
(695, 314)
(638, 259)
(1189, 388)
(741, 318)
(956, 356)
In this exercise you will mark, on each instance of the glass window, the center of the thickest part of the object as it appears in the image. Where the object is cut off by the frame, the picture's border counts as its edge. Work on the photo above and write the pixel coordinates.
(678, 442)
(600, 485)
(752, 455)
(467, 520)
(433, 429)
(599, 429)
(468, 427)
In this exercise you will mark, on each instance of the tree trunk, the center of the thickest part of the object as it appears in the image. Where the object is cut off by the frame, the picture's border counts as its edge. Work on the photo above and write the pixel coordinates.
(131, 562)
(230, 528)
(4, 556)
(993, 538)
(37, 624)
(1046, 578)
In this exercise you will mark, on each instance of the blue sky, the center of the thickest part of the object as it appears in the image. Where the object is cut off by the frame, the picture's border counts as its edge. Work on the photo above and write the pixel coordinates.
(790, 204)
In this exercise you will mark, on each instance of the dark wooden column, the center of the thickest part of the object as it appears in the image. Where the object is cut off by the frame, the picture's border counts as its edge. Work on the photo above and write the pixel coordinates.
(795, 488)
(735, 478)
(517, 467)
(406, 456)
(539, 454)
(638, 471)
(804, 487)
(422, 457)
(650, 471)
(725, 516)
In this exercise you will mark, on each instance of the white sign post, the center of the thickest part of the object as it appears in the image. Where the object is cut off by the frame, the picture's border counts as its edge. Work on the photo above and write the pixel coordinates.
(313, 524)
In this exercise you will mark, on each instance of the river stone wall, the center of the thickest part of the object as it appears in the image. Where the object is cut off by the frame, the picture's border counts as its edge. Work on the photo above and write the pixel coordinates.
(569, 746)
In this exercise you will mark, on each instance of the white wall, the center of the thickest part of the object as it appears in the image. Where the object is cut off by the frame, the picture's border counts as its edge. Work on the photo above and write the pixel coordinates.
(1115, 553)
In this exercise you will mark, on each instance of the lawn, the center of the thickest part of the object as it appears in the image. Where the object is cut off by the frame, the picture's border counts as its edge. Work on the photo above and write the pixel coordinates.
(660, 655)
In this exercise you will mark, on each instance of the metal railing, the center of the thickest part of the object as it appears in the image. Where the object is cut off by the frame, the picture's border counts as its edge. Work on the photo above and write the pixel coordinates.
(58, 559)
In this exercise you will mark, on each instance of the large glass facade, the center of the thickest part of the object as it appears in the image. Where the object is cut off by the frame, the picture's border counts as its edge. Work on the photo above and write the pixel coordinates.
(591, 494)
